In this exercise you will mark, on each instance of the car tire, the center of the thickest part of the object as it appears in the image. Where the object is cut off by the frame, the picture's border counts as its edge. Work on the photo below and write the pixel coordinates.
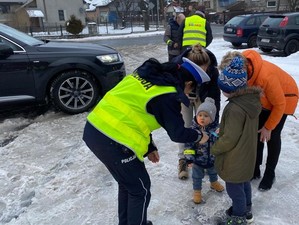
(74, 92)
(266, 49)
(236, 44)
(252, 42)
(291, 47)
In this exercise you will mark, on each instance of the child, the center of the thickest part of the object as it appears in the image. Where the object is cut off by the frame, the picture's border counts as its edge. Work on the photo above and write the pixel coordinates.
(235, 149)
(199, 154)
(279, 99)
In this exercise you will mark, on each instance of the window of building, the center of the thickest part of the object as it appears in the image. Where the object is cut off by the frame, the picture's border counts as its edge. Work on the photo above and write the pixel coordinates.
(4, 9)
(271, 3)
(61, 15)
(103, 17)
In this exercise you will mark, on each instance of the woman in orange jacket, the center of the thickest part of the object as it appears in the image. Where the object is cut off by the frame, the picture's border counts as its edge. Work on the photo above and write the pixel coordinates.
(279, 99)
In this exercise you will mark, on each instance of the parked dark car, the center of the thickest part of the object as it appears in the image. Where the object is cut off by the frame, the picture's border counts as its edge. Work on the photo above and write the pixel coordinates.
(72, 76)
(243, 29)
(280, 32)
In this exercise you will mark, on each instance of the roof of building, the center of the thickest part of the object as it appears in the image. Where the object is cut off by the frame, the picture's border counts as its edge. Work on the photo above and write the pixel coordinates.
(92, 4)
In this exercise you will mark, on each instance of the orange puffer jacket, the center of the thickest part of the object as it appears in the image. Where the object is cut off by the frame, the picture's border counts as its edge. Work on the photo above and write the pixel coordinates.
(280, 91)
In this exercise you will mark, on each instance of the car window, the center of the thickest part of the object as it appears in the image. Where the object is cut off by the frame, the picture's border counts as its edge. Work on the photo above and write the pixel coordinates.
(235, 20)
(273, 21)
(20, 35)
(251, 21)
(263, 18)
(10, 44)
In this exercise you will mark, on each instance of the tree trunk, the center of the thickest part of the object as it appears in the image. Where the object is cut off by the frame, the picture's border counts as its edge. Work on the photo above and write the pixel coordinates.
(145, 19)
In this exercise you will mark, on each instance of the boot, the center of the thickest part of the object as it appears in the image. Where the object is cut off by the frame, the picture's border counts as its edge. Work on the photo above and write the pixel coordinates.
(249, 215)
(197, 196)
(183, 169)
(267, 181)
(148, 222)
(257, 173)
(234, 220)
(217, 186)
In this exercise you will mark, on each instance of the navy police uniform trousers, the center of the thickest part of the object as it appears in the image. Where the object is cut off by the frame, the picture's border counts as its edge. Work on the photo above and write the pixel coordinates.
(129, 172)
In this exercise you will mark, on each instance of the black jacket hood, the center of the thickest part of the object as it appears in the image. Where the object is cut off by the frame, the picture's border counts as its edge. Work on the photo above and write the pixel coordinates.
(165, 74)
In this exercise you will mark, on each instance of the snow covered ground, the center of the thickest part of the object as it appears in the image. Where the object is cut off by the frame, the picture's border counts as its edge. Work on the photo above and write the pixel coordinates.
(48, 176)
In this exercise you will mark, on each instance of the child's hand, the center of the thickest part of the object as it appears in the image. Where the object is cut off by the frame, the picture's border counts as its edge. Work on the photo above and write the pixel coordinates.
(154, 157)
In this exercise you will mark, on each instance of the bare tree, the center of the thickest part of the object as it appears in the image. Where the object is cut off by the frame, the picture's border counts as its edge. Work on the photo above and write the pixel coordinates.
(122, 7)
(143, 5)
(293, 4)
(278, 5)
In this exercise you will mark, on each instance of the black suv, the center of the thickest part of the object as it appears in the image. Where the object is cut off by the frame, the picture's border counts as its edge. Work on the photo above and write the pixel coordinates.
(73, 76)
(243, 29)
(280, 32)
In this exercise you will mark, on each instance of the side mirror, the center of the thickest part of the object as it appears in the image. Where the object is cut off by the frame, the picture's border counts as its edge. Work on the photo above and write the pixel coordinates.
(5, 51)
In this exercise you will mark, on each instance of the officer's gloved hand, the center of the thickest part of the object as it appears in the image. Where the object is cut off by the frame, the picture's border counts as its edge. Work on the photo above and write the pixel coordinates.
(169, 42)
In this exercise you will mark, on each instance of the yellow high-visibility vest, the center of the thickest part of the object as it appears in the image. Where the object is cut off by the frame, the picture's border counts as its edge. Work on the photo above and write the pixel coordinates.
(122, 115)
(194, 31)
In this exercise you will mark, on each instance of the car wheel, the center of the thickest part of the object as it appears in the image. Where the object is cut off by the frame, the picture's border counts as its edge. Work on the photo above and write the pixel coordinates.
(74, 92)
(252, 42)
(266, 49)
(236, 44)
(291, 47)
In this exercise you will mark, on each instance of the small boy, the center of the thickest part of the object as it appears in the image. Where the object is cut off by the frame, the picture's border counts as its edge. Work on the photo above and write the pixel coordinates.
(199, 154)
(235, 149)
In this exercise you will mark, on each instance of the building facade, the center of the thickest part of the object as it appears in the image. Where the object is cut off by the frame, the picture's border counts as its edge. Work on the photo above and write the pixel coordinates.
(40, 13)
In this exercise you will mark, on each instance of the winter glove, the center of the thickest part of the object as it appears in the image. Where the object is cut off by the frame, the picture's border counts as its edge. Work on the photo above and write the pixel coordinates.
(169, 43)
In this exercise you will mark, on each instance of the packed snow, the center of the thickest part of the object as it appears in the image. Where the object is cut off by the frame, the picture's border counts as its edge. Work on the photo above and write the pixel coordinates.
(48, 176)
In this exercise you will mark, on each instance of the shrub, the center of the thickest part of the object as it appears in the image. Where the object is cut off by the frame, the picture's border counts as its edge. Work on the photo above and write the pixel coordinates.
(74, 25)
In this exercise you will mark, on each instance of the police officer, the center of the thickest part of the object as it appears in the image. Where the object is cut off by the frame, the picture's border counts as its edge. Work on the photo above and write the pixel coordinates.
(118, 130)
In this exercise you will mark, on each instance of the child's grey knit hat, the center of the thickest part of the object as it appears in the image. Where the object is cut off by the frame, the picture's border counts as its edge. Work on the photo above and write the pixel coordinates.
(209, 107)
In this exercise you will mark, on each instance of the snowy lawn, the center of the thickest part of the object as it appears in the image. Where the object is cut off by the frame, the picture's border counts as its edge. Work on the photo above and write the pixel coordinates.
(49, 177)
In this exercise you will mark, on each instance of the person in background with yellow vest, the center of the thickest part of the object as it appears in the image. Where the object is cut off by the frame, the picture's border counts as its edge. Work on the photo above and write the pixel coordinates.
(118, 130)
(171, 36)
(195, 29)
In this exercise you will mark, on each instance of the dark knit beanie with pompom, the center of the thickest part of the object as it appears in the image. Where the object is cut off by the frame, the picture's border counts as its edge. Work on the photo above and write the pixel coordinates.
(233, 76)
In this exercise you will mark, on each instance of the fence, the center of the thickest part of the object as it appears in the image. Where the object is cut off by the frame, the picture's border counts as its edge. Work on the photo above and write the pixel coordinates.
(91, 29)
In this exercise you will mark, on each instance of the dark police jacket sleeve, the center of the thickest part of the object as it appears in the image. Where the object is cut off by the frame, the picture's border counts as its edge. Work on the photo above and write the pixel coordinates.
(167, 111)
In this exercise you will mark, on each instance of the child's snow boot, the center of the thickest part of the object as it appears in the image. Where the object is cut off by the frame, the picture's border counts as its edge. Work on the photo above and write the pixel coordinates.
(249, 215)
(234, 220)
(197, 196)
(217, 186)
(183, 169)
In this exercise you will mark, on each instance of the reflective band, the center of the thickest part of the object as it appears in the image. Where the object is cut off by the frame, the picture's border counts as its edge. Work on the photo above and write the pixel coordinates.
(189, 152)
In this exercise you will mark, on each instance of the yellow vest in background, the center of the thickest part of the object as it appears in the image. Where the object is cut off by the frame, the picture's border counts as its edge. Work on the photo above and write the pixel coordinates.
(194, 31)
(122, 116)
